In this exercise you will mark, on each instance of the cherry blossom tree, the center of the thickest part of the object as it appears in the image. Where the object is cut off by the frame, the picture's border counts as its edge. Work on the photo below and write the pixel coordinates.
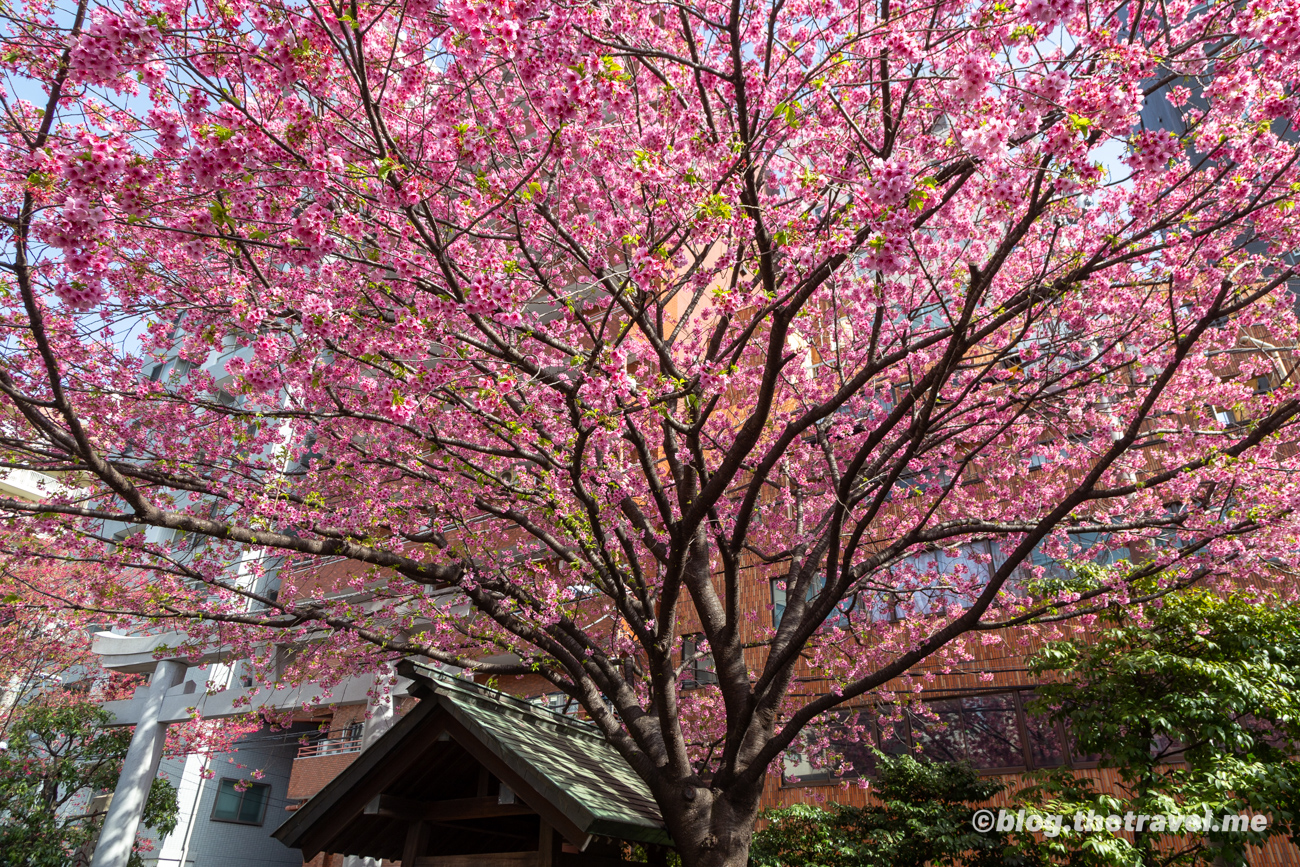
(569, 325)
(42, 645)
(46, 657)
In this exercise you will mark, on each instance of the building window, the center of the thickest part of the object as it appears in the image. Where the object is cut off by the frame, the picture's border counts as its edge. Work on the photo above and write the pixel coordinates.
(839, 617)
(778, 601)
(559, 702)
(1092, 547)
(246, 806)
(930, 582)
(697, 668)
(992, 731)
(982, 730)
(1228, 417)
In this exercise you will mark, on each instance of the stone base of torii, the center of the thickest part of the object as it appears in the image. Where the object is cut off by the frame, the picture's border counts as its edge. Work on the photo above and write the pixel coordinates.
(170, 697)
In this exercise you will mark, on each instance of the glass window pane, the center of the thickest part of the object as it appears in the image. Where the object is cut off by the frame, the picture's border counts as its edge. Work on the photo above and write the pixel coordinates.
(943, 740)
(882, 607)
(839, 617)
(1019, 576)
(1045, 749)
(1095, 545)
(992, 734)
(966, 566)
(1076, 757)
(894, 738)
(798, 768)
(1052, 567)
(1267, 732)
(780, 595)
(856, 746)
(778, 601)
(698, 670)
(819, 758)
(227, 806)
(254, 797)
(848, 746)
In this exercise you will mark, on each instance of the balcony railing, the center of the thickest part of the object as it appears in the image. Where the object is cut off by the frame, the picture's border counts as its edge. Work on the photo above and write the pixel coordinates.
(330, 747)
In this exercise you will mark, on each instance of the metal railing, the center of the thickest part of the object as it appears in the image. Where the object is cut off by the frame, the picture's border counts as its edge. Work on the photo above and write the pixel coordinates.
(345, 741)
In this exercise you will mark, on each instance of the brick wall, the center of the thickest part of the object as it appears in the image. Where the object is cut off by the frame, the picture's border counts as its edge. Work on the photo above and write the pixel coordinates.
(311, 774)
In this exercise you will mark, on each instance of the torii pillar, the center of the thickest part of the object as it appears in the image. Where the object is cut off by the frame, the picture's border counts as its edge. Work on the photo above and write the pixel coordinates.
(152, 709)
(138, 771)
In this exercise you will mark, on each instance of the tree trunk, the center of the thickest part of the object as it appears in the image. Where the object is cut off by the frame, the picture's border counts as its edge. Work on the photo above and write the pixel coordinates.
(712, 828)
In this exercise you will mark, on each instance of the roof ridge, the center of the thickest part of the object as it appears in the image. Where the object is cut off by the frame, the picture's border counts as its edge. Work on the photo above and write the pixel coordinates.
(479, 691)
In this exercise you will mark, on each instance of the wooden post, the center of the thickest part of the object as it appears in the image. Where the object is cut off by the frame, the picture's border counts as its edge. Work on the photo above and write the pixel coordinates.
(417, 839)
(655, 856)
(548, 846)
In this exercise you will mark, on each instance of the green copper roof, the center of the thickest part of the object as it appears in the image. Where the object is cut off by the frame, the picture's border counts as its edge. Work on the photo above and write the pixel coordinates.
(563, 769)
(567, 761)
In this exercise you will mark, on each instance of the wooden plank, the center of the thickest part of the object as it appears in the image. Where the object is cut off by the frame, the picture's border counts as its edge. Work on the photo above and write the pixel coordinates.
(503, 772)
(490, 859)
(417, 840)
(324, 819)
(549, 845)
(574, 859)
(450, 810)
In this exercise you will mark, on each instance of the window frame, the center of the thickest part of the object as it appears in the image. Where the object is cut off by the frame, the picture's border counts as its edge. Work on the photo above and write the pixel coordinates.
(839, 617)
(1021, 696)
(701, 671)
(261, 816)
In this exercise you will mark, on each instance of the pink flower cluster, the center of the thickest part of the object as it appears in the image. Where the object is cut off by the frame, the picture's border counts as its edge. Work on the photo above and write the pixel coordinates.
(76, 232)
(989, 140)
(974, 73)
(1050, 12)
(96, 165)
(318, 306)
(488, 293)
(886, 254)
(1151, 151)
(111, 45)
(216, 156)
(891, 182)
(81, 296)
(1275, 23)
(260, 376)
(311, 229)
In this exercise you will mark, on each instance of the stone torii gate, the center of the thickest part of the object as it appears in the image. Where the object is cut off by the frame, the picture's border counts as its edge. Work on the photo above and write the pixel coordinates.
(172, 697)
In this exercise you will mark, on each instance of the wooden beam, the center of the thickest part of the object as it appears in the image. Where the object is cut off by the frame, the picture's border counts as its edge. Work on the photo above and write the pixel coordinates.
(503, 772)
(549, 846)
(489, 859)
(415, 745)
(455, 809)
(417, 840)
(517, 859)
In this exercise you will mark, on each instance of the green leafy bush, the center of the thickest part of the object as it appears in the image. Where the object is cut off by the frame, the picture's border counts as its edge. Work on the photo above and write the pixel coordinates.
(61, 753)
